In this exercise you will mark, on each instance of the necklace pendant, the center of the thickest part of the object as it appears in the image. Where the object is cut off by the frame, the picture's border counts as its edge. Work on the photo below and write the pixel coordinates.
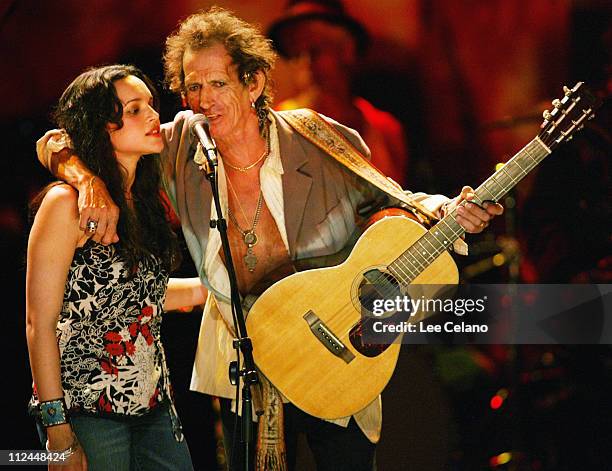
(250, 260)
(250, 238)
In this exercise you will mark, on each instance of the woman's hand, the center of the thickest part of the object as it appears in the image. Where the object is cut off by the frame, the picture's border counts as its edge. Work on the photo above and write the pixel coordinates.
(61, 438)
(77, 461)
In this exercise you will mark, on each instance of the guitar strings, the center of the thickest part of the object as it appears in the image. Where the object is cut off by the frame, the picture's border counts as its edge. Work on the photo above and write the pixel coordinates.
(404, 265)
(382, 280)
(385, 286)
(383, 283)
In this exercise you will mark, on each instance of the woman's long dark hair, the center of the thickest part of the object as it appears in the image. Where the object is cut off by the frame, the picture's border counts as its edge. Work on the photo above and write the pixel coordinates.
(84, 110)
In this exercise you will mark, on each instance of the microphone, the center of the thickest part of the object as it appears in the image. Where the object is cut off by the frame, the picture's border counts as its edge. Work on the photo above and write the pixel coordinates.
(198, 126)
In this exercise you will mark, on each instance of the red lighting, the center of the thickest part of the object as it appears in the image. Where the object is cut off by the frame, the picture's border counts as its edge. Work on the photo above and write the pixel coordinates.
(500, 460)
(496, 401)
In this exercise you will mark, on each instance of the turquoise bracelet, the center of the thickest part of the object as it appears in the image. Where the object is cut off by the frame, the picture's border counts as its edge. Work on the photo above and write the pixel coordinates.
(53, 412)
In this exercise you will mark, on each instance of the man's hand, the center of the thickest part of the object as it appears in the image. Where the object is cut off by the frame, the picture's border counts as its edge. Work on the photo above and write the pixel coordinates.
(473, 218)
(98, 212)
(96, 206)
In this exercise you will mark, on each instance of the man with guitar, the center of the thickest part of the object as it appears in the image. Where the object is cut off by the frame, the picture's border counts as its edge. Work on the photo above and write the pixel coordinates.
(289, 204)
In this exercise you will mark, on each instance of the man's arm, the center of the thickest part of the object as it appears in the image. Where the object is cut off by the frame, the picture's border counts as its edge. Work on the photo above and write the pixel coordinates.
(95, 203)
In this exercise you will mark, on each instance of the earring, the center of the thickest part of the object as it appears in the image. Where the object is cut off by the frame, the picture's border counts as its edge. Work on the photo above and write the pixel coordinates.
(253, 105)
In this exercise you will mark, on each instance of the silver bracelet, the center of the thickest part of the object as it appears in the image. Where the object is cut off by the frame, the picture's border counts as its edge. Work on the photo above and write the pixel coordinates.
(67, 452)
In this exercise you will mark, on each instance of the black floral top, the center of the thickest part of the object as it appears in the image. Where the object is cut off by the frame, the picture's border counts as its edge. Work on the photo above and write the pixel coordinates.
(112, 359)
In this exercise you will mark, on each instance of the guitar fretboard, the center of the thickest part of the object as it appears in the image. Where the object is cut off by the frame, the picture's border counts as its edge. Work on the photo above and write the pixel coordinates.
(439, 238)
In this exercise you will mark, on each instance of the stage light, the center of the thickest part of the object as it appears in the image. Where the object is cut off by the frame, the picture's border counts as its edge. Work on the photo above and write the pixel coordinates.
(500, 460)
(498, 400)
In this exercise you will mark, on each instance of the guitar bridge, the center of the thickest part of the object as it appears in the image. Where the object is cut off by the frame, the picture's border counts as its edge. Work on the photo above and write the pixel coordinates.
(327, 338)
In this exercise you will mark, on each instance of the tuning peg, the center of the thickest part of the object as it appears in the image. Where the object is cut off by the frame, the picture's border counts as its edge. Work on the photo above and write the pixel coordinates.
(547, 116)
(567, 91)
(556, 103)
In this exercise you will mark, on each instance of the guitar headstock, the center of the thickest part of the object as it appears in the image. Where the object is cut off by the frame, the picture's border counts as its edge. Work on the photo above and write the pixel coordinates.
(568, 115)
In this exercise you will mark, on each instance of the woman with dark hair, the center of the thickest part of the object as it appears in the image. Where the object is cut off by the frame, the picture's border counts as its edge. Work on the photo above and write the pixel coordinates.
(290, 203)
(102, 393)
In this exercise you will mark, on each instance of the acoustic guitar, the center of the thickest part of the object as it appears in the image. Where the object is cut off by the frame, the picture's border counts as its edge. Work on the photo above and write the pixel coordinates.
(306, 328)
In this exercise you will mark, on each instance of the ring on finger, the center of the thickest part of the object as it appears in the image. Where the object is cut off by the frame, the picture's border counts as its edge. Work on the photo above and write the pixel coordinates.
(92, 226)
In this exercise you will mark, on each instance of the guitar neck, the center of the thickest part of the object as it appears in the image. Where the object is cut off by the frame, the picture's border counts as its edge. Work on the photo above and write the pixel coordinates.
(508, 176)
(439, 238)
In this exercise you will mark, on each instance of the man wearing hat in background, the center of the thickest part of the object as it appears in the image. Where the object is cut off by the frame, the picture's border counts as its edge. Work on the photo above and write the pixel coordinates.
(323, 46)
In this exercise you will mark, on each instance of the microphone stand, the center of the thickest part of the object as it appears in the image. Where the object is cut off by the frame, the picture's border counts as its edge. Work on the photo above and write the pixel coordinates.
(242, 343)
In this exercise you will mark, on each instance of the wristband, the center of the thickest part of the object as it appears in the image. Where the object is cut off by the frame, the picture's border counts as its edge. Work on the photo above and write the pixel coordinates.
(53, 412)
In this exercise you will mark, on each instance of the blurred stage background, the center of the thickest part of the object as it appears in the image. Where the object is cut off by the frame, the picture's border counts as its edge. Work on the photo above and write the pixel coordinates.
(469, 81)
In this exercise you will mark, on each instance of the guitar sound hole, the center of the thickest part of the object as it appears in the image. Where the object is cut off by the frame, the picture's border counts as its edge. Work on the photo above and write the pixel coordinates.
(375, 287)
